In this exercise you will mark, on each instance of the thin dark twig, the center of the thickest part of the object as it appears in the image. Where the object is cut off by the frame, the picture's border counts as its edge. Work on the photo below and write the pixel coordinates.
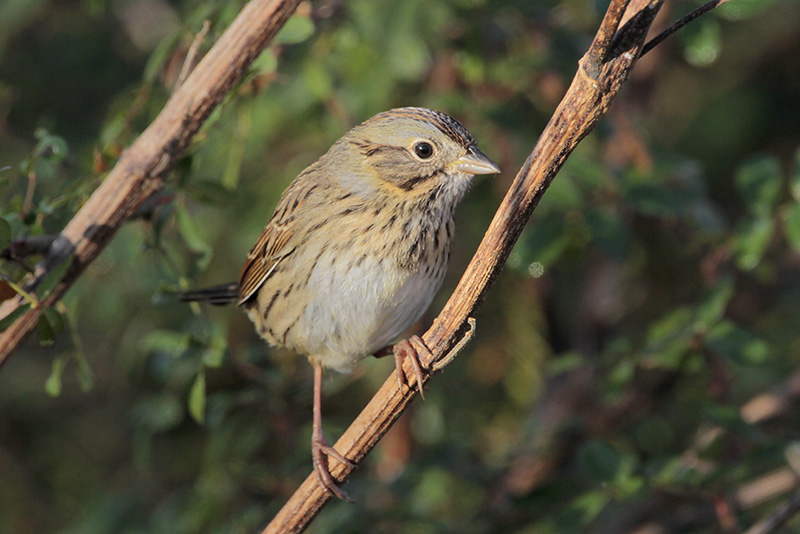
(28, 246)
(777, 518)
(655, 41)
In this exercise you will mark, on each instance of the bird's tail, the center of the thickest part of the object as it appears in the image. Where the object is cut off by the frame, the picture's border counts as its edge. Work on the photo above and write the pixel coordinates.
(216, 295)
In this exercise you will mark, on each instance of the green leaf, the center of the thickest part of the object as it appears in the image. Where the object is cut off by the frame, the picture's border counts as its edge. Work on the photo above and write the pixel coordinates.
(296, 30)
(668, 339)
(588, 506)
(674, 471)
(51, 146)
(759, 184)
(84, 372)
(44, 331)
(600, 460)
(214, 354)
(737, 344)
(791, 225)
(197, 398)
(55, 319)
(266, 62)
(9, 319)
(712, 306)
(167, 341)
(50, 324)
(193, 236)
(704, 45)
(753, 237)
(628, 484)
(563, 363)
(53, 277)
(52, 385)
(317, 81)
(158, 412)
(47, 156)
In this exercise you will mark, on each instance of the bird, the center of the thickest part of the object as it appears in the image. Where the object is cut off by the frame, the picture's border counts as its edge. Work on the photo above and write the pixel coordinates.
(356, 249)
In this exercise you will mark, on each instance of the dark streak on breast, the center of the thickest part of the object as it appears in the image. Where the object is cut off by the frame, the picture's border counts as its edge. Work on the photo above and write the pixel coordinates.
(271, 302)
(288, 329)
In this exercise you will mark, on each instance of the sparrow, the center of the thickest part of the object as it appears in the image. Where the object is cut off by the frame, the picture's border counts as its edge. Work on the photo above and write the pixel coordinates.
(356, 249)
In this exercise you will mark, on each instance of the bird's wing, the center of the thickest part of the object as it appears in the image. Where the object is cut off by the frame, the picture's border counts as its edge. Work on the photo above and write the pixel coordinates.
(276, 241)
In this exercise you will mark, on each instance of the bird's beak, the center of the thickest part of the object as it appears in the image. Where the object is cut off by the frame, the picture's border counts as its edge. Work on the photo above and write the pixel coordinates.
(475, 162)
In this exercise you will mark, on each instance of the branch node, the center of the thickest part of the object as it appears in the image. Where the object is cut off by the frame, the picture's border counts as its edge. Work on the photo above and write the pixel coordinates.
(584, 73)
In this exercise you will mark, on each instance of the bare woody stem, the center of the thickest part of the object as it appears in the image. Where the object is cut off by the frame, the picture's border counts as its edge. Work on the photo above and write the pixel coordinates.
(592, 90)
(141, 170)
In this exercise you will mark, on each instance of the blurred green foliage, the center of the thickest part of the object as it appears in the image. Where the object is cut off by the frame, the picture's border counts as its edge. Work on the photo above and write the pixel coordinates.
(624, 362)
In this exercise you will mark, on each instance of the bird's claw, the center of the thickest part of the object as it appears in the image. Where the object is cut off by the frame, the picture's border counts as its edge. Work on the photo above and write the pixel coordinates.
(320, 452)
(411, 349)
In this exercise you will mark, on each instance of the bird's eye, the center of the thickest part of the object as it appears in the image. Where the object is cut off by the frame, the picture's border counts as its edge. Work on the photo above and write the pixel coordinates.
(423, 150)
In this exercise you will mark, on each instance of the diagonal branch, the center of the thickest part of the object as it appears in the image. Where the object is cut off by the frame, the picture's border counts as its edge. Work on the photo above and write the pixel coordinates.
(587, 100)
(141, 170)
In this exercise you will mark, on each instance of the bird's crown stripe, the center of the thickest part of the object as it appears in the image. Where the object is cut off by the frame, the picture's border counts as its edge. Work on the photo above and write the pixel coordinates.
(445, 123)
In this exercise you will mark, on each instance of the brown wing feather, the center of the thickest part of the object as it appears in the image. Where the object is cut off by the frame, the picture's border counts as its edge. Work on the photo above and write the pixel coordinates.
(274, 244)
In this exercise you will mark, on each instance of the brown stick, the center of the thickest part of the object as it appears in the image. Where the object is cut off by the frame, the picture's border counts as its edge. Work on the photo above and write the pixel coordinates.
(586, 101)
(141, 169)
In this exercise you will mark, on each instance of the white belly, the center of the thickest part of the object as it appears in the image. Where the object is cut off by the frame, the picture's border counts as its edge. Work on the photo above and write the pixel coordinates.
(354, 312)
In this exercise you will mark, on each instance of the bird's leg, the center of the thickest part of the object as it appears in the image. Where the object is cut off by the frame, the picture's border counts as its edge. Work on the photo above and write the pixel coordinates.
(411, 349)
(320, 448)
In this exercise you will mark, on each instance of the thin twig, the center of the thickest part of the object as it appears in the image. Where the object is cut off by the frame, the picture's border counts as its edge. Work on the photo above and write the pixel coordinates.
(191, 55)
(19, 249)
(655, 41)
(778, 517)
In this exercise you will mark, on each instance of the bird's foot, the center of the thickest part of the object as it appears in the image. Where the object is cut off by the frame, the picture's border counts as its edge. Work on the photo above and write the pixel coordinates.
(321, 450)
(411, 349)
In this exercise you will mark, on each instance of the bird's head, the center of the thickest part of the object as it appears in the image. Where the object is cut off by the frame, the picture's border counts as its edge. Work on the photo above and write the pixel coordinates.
(413, 151)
